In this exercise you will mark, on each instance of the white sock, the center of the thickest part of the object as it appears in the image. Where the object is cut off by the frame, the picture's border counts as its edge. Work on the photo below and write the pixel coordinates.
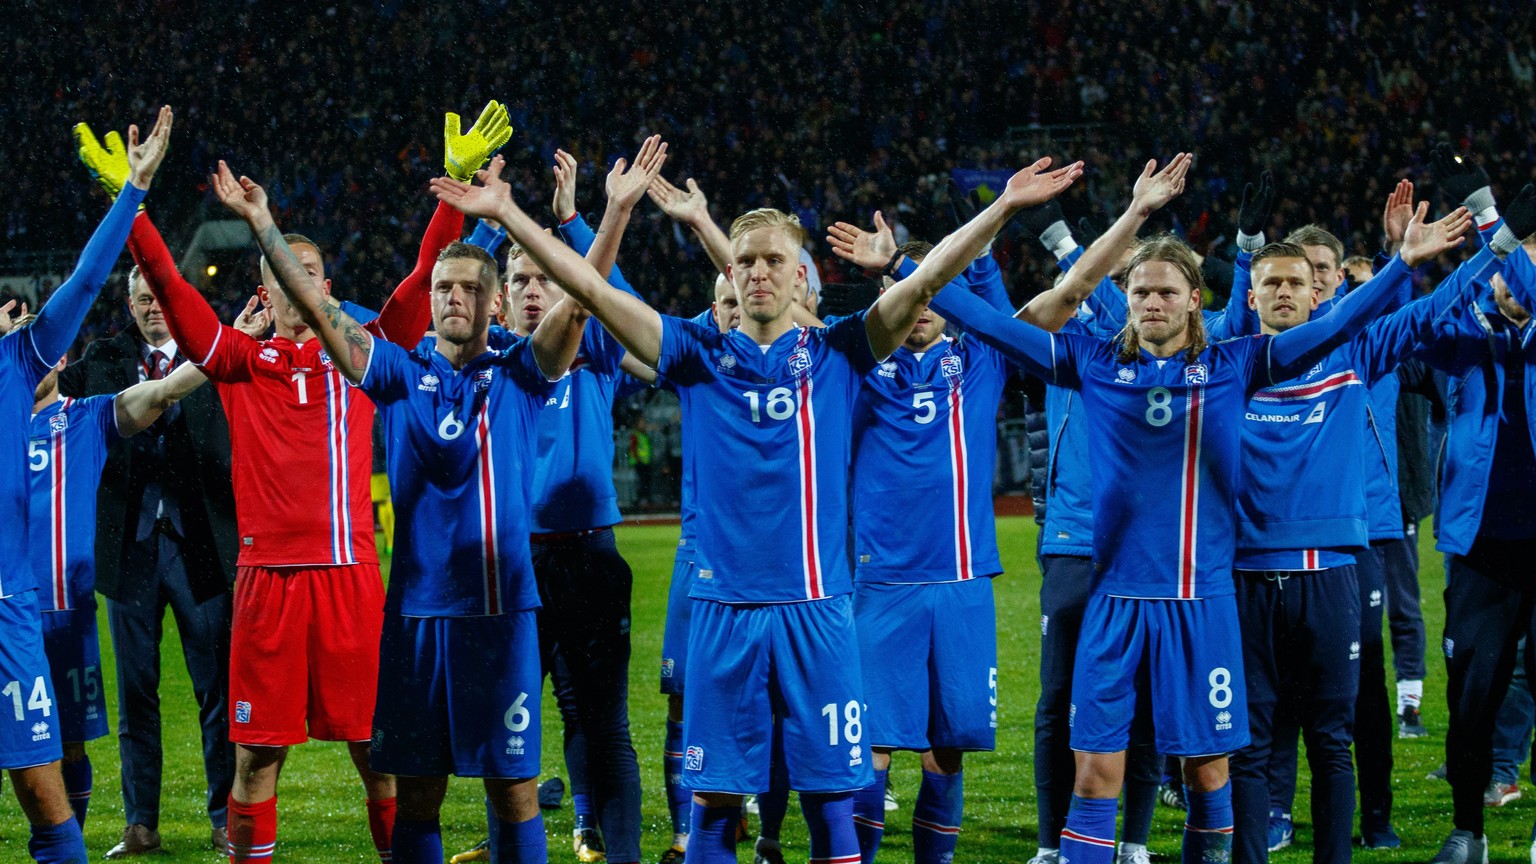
(680, 841)
(1409, 694)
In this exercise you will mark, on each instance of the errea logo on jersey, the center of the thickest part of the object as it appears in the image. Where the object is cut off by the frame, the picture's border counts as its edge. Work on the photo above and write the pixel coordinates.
(1224, 721)
(515, 745)
(428, 383)
(855, 756)
(40, 731)
(1375, 599)
(799, 361)
(728, 361)
(1354, 650)
(1126, 375)
(887, 369)
(1196, 373)
(267, 355)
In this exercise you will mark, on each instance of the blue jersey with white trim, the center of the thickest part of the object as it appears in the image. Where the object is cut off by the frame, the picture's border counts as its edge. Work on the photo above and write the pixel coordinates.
(21, 369)
(689, 510)
(460, 462)
(924, 453)
(573, 474)
(767, 429)
(1165, 439)
(65, 456)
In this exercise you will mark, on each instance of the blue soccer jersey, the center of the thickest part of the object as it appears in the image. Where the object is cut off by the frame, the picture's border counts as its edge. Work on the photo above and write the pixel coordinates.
(768, 429)
(66, 453)
(460, 463)
(924, 452)
(573, 475)
(21, 368)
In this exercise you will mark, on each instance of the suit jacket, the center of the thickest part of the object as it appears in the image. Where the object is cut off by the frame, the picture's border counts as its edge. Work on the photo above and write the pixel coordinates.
(195, 469)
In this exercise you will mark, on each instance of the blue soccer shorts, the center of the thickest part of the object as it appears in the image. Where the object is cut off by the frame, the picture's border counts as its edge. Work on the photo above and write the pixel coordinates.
(1185, 655)
(750, 663)
(929, 653)
(458, 696)
(29, 723)
(74, 657)
(674, 636)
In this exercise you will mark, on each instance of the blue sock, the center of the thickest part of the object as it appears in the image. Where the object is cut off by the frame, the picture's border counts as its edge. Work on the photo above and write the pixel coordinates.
(936, 817)
(713, 839)
(1089, 837)
(773, 804)
(830, 820)
(869, 816)
(581, 802)
(416, 842)
(58, 844)
(1208, 827)
(520, 842)
(77, 782)
(679, 798)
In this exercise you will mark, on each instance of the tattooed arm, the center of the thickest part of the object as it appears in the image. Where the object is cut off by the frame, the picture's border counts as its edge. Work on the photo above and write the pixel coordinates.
(349, 345)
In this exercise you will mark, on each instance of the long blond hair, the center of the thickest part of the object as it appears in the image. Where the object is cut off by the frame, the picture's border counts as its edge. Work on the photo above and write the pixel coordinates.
(1169, 249)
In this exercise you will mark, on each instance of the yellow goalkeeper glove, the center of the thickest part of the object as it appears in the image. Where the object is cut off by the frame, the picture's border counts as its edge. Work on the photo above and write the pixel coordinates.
(108, 165)
(467, 152)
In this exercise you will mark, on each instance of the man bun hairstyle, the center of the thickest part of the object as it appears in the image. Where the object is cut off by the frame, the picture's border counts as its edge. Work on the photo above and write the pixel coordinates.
(1168, 249)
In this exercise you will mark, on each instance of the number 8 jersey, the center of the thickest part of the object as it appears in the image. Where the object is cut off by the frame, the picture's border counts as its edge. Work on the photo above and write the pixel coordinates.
(1165, 451)
(766, 429)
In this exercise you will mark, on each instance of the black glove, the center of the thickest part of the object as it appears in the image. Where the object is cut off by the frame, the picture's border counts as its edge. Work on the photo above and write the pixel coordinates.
(962, 205)
(1253, 213)
(1520, 214)
(1089, 230)
(1459, 180)
(1037, 219)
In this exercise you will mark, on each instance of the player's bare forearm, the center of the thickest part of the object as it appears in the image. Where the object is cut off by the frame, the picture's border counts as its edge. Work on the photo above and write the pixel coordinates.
(143, 403)
(610, 235)
(637, 370)
(348, 342)
(636, 325)
(558, 337)
(1051, 310)
(716, 244)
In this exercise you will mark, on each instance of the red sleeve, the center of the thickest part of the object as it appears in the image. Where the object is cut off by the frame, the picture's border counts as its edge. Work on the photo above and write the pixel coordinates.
(408, 312)
(192, 322)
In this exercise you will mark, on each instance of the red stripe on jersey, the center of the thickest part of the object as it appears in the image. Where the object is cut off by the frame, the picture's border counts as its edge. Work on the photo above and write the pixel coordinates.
(488, 512)
(1299, 392)
(957, 459)
(805, 422)
(59, 552)
(1189, 508)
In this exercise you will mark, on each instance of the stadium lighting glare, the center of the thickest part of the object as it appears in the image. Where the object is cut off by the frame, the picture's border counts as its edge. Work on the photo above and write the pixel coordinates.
(213, 270)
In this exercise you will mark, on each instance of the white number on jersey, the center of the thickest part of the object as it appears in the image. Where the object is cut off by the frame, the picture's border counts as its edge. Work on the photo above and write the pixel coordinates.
(299, 379)
(1159, 406)
(38, 701)
(1221, 687)
(450, 428)
(925, 406)
(781, 404)
(517, 717)
(853, 725)
(37, 455)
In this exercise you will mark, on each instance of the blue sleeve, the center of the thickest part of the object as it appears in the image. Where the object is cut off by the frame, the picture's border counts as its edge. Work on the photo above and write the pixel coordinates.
(487, 237)
(602, 350)
(1066, 261)
(1520, 275)
(1379, 260)
(849, 335)
(59, 320)
(986, 281)
(360, 314)
(519, 360)
(685, 349)
(1024, 344)
(705, 318)
(500, 338)
(1237, 319)
(1294, 351)
(1391, 339)
(580, 236)
(629, 385)
(389, 372)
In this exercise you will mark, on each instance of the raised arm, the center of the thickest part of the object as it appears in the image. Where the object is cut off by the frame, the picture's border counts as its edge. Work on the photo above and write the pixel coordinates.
(348, 342)
(626, 185)
(636, 325)
(408, 312)
(1297, 349)
(143, 403)
(1032, 348)
(573, 227)
(192, 322)
(691, 208)
(1051, 309)
(58, 322)
(891, 318)
(557, 339)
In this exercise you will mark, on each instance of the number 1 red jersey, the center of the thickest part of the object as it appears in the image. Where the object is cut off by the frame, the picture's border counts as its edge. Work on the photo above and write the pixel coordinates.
(302, 449)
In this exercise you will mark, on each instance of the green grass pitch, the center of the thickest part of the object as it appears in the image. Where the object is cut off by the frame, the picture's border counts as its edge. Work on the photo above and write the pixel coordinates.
(321, 817)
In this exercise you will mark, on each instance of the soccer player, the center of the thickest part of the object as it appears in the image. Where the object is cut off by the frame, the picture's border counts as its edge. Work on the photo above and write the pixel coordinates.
(65, 455)
(1487, 525)
(928, 413)
(1162, 405)
(459, 677)
(309, 599)
(1303, 518)
(772, 630)
(30, 737)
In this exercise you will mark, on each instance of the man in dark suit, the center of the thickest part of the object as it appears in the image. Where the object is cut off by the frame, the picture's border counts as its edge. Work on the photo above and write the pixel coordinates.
(165, 537)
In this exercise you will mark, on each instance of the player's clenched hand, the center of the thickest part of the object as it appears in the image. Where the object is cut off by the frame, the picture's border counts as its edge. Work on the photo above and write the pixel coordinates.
(464, 153)
(1397, 213)
(1154, 190)
(564, 203)
(626, 183)
(688, 207)
(254, 319)
(243, 197)
(485, 201)
(1037, 185)
(1423, 241)
(871, 250)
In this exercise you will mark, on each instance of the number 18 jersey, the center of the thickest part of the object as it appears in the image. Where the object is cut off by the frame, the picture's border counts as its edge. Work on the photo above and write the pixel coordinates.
(766, 430)
(1165, 453)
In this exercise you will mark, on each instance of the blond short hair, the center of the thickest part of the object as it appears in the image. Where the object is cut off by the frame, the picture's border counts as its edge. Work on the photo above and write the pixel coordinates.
(769, 217)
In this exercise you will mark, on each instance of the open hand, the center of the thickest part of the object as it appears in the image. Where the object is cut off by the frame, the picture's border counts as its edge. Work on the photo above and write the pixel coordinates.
(871, 250)
(687, 207)
(626, 183)
(564, 203)
(243, 197)
(1423, 241)
(1037, 185)
(254, 319)
(144, 157)
(1154, 190)
(1397, 213)
(485, 201)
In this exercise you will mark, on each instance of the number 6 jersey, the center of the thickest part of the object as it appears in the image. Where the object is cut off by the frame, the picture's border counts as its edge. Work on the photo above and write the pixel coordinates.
(766, 430)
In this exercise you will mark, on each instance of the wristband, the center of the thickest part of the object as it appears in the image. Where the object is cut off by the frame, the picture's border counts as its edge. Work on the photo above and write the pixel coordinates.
(1504, 241)
(890, 266)
(1249, 242)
